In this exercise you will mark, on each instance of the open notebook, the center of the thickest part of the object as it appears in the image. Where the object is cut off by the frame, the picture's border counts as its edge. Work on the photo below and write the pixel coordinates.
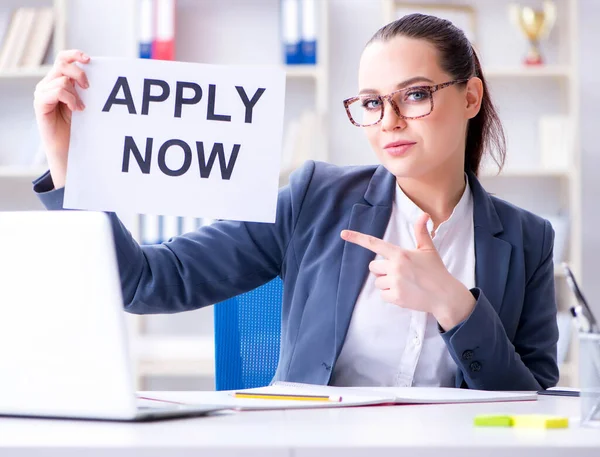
(350, 396)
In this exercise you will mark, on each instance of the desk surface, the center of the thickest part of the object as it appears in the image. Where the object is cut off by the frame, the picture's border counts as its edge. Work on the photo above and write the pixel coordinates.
(423, 430)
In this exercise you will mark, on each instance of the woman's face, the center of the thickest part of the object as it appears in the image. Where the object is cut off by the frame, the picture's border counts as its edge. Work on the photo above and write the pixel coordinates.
(416, 147)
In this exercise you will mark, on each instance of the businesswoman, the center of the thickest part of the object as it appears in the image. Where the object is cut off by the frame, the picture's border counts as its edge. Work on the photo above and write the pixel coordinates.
(404, 274)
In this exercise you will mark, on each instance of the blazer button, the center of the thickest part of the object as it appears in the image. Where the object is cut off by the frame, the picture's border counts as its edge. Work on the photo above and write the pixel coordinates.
(467, 355)
(475, 366)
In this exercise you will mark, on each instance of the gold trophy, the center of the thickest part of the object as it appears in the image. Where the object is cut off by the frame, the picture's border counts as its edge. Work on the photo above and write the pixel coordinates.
(536, 25)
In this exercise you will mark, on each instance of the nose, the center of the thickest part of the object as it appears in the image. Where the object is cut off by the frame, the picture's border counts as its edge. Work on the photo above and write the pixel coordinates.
(391, 118)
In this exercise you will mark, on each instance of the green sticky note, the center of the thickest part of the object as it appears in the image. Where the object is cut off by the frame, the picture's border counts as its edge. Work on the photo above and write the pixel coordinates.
(493, 420)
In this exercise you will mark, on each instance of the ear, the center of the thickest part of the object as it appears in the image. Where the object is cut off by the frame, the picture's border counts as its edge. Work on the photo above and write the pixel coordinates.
(473, 97)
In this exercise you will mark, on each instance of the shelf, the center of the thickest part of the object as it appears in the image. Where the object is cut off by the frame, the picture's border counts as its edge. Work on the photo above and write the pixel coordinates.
(174, 356)
(25, 73)
(526, 173)
(548, 71)
(292, 71)
(303, 71)
(21, 172)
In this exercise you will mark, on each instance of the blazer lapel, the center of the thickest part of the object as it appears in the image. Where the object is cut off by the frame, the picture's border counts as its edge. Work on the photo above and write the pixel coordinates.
(370, 218)
(492, 254)
(492, 259)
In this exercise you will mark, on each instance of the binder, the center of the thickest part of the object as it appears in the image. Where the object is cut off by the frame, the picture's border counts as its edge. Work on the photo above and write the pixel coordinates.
(146, 28)
(161, 229)
(25, 29)
(308, 34)
(17, 35)
(10, 38)
(164, 42)
(149, 229)
(5, 19)
(39, 38)
(170, 228)
(190, 224)
(290, 24)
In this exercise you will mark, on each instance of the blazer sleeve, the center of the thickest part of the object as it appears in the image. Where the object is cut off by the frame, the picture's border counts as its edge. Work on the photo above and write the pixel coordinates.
(203, 267)
(485, 354)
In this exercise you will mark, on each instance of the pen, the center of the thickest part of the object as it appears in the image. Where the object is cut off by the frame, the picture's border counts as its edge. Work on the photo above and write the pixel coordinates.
(582, 312)
(266, 396)
(583, 324)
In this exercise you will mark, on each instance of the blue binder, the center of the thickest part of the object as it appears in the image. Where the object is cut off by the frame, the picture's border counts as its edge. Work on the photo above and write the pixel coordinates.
(290, 31)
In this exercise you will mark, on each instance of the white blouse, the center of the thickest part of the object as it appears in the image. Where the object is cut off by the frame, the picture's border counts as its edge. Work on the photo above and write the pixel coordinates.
(387, 345)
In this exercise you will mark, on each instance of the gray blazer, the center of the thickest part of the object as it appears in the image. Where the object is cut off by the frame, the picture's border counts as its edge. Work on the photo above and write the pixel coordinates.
(507, 343)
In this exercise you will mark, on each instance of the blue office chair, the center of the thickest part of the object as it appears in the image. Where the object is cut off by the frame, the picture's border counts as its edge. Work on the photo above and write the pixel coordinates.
(247, 333)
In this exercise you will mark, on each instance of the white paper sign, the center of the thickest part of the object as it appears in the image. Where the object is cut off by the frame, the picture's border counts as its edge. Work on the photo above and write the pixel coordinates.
(178, 139)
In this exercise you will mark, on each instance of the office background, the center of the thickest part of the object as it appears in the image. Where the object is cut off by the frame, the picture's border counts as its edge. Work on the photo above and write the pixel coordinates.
(175, 351)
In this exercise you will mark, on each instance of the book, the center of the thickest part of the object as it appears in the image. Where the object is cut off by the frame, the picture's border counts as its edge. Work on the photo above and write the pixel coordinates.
(10, 39)
(24, 28)
(190, 224)
(228, 400)
(350, 396)
(149, 230)
(170, 227)
(5, 17)
(406, 395)
(39, 38)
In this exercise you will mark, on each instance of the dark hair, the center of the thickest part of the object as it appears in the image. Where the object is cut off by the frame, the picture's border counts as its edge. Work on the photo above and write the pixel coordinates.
(459, 59)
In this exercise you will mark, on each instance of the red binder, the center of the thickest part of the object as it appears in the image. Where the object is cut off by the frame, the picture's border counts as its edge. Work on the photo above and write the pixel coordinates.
(163, 46)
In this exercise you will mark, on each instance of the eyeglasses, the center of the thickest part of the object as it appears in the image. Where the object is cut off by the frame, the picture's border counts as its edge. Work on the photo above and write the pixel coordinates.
(408, 103)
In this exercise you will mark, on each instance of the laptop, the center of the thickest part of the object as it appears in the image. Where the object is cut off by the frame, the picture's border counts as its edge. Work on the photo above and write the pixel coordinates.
(63, 339)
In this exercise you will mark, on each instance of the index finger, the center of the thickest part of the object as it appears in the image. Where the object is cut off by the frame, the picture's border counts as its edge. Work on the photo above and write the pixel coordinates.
(64, 59)
(72, 55)
(372, 243)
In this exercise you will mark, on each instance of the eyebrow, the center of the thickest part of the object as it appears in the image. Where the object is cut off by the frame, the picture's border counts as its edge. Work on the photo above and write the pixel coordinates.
(401, 85)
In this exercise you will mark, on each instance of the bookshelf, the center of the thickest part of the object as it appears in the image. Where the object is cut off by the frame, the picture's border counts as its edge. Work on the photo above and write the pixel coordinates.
(523, 94)
(18, 85)
(159, 352)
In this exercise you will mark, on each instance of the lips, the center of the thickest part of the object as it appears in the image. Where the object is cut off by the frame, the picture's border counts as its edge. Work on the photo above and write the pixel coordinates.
(398, 148)
(398, 143)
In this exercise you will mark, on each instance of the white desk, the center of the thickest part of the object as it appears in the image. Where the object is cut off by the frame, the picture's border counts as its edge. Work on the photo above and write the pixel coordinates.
(427, 430)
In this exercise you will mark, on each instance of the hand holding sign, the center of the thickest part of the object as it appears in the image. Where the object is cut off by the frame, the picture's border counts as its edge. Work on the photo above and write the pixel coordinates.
(417, 279)
(171, 138)
(55, 99)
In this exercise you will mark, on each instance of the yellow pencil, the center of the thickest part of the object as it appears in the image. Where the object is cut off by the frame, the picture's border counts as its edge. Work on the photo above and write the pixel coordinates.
(266, 396)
